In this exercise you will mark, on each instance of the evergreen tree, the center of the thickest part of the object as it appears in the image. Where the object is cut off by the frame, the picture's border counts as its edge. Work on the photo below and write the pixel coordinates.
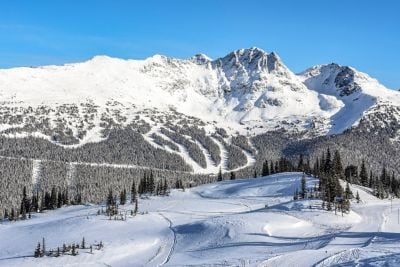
(303, 186)
(371, 180)
(136, 206)
(347, 193)
(23, 213)
(73, 251)
(358, 197)
(300, 165)
(363, 174)
(328, 162)
(265, 169)
(43, 247)
(53, 198)
(316, 168)
(351, 174)
(219, 179)
(122, 197)
(152, 185)
(337, 165)
(83, 244)
(111, 204)
(385, 178)
(272, 168)
(25, 202)
(133, 191)
(37, 252)
(12, 216)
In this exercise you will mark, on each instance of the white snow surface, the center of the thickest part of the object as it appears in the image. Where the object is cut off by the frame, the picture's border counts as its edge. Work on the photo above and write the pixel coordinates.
(249, 222)
(248, 91)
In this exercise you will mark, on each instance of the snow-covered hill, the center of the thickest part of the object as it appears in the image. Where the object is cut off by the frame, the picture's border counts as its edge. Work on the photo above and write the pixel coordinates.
(251, 222)
(247, 92)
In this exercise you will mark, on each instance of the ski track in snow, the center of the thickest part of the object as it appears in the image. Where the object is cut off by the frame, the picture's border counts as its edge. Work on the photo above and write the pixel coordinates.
(251, 221)
(171, 251)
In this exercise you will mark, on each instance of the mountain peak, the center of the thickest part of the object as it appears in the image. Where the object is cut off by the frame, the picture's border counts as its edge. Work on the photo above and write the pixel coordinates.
(100, 58)
(200, 59)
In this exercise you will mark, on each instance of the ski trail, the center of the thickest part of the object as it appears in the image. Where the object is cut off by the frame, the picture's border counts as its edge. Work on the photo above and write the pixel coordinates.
(95, 164)
(171, 251)
(185, 155)
(250, 160)
(36, 173)
(224, 155)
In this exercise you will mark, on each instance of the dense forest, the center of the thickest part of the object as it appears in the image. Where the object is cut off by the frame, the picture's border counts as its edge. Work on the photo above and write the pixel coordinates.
(33, 167)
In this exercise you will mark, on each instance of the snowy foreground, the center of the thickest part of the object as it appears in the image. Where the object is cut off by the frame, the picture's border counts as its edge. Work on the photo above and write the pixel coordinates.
(251, 222)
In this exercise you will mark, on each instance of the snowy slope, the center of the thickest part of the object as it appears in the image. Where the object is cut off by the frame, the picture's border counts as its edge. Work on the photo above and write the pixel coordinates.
(242, 91)
(251, 222)
(357, 92)
(247, 92)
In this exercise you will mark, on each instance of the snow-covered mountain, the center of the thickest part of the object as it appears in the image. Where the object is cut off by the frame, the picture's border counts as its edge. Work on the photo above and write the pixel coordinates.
(248, 90)
(189, 107)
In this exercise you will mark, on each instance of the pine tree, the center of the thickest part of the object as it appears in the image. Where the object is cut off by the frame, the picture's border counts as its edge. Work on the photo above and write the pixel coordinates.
(358, 197)
(53, 198)
(60, 199)
(272, 168)
(337, 166)
(133, 191)
(12, 216)
(43, 247)
(37, 252)
(219, 179)
(329, 206)
(371, 180)
(122, 197)
(347, 193)
(66, 197)
(303, 186)
(152, 186)
(73, 251)
(265, 169)
(315, 171)
(23, 213)
(35, 203)
(83, 244)
(164, 191)
(25, 203)
(300, 165)
(111, 204)
(328, 162)
(385, 178)
(136, 206)
(363, 174)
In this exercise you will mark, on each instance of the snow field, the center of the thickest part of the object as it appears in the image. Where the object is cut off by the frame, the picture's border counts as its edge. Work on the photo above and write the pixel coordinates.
(248, 222)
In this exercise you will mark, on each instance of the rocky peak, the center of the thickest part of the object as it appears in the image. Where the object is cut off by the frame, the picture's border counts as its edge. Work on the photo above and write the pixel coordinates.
(200, 59)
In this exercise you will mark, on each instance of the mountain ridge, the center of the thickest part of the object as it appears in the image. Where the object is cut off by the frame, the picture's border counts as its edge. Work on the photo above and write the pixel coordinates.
(246, 87)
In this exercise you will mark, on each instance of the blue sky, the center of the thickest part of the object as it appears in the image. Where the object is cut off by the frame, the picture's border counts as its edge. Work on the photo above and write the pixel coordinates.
(364, 34)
